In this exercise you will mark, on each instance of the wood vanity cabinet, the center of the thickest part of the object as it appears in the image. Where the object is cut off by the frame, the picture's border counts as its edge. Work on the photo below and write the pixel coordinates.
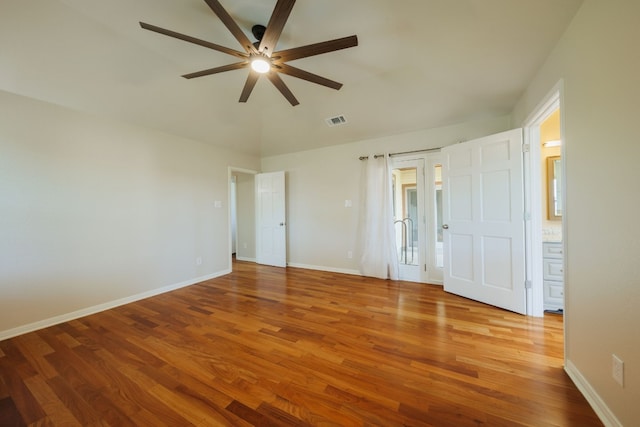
(553, 275)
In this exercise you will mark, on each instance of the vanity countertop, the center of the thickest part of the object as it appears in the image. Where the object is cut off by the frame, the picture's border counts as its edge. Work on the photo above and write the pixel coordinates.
(552, 234)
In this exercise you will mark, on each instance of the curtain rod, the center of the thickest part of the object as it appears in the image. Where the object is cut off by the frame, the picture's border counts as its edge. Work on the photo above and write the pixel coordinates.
(425, 150)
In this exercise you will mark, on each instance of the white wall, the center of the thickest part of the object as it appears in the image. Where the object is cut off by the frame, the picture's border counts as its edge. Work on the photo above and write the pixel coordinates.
(599, 60)
(321, 230)
(94, 212)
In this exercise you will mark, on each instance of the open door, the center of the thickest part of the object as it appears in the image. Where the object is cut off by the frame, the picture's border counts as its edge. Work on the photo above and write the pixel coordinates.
(271, 236)
(483, 215)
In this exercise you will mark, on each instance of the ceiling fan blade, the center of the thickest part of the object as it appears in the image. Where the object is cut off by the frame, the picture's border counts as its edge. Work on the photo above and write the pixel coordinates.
(193, 40)
(315, 49)
(216, 70)
(231, 25)
(274, 27)
(249, 85)
(310, 77)
(284, 90)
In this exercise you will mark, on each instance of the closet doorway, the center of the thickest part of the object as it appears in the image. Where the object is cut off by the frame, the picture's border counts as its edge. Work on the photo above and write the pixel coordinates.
(242, 219)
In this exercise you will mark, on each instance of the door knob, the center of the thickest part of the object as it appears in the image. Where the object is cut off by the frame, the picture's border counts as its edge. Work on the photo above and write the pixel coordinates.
(445, 226)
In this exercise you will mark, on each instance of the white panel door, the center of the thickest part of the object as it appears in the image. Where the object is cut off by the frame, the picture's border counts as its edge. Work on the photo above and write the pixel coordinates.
(271, 236)
(483, 212)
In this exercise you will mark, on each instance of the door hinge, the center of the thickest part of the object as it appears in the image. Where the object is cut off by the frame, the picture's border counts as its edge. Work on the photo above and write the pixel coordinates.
(527, 284)
(425, 267)
(526, 148)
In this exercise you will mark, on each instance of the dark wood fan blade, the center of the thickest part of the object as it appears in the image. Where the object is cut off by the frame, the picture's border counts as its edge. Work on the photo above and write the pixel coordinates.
(315, 49)
(284, 90)
(216, 70)
(274, 27)
(231, 25)
(193, 40)
(310, 77)
(249, 85)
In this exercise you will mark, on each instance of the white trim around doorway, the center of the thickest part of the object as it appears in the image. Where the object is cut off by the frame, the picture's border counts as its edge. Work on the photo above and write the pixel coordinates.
(534, 193)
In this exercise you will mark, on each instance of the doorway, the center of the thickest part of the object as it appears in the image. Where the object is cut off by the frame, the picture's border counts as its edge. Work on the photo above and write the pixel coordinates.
(417, 215)
(242, 231)
(545, 204)
(407, 177)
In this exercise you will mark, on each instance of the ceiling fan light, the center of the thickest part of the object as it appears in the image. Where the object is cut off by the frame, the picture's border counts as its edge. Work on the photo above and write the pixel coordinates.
(260, 65)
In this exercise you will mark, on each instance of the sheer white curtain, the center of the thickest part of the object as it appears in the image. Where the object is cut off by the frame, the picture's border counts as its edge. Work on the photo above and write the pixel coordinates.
(378, 242)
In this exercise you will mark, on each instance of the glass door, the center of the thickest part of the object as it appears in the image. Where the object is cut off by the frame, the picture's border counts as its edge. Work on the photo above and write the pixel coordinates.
(408, 217)
(435, 247)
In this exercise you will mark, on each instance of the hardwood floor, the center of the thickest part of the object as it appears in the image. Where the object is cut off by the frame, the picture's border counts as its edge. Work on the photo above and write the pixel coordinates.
(290, 347)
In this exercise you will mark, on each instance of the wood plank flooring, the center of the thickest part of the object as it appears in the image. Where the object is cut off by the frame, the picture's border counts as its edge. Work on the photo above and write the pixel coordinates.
(266, 346)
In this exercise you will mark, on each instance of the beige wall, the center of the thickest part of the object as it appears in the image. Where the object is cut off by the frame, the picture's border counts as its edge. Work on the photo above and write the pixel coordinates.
(598, 59)
(94, 212)
(321, 229)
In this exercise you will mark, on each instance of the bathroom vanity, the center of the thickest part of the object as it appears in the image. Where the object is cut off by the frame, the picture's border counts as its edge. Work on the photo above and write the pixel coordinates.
(553, 275)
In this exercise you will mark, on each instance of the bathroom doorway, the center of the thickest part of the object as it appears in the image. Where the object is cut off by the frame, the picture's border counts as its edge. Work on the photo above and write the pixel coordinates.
(545, 206)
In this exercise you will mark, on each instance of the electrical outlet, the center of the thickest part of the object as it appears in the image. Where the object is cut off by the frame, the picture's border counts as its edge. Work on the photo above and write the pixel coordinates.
(199, 261)
(618, 370)
(349, 254)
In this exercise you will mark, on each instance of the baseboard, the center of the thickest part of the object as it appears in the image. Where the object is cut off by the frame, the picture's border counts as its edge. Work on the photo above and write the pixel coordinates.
(323, 268)
(41, 324)
(241, 258)
(600, 408)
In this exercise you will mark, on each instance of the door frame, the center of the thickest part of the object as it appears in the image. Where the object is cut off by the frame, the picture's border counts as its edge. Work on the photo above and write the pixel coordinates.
(533, 192)
(230, 171)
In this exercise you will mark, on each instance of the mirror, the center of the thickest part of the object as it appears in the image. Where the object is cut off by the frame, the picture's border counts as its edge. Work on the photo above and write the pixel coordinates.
(554, 188)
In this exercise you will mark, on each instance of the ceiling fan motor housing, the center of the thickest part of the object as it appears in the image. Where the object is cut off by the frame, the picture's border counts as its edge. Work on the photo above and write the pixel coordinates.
(258, 31)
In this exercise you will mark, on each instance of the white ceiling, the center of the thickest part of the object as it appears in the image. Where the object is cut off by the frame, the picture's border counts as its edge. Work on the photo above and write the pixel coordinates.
(419, 64)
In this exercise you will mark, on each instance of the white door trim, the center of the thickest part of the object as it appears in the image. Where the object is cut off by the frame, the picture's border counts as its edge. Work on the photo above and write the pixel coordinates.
(534, 193)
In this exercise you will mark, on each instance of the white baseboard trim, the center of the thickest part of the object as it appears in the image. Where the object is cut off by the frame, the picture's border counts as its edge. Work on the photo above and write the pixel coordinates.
(241, 258)
(323, 268)
(41, 324)
(601, 409)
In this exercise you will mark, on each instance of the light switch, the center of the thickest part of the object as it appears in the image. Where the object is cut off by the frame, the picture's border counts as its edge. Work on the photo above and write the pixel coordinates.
(347, 203)
(217, 204)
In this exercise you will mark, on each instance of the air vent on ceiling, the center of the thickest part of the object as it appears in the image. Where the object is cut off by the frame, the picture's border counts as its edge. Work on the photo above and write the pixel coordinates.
(336, 121)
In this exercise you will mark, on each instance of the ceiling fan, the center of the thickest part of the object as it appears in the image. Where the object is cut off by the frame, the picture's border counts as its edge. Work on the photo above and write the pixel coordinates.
(261, 57)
